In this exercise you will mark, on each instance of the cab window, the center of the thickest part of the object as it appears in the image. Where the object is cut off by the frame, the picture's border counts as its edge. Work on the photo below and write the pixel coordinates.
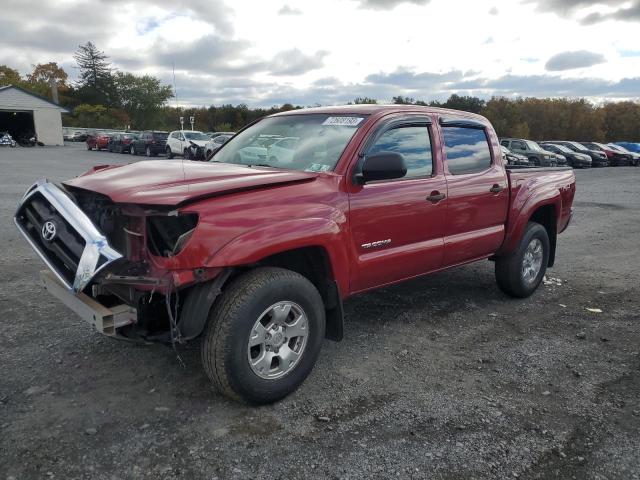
(467, 150)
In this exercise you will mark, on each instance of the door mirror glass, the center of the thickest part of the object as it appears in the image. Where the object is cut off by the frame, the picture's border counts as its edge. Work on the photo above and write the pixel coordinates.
(382, 166)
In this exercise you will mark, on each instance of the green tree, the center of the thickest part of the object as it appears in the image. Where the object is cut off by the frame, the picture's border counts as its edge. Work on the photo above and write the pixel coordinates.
(141, 97)
(465, 103)
(400, 100)
(365, 101)
(9, 76)
(95, 84)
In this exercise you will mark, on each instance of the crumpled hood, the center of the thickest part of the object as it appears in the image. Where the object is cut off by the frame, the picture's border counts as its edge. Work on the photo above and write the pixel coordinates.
(175, 182)
(200, 143)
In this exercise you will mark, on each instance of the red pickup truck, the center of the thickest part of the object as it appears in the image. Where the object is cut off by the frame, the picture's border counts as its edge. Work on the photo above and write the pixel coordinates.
(254, 252)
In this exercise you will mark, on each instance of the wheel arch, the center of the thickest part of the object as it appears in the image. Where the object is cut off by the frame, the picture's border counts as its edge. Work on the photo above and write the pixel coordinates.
(547, 216)
(543, 209)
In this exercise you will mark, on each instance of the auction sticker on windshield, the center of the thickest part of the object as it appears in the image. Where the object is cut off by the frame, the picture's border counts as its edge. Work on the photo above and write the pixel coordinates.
(343, 121)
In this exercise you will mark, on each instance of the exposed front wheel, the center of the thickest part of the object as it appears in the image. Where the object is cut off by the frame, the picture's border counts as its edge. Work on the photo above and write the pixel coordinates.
(169, 153)
(520, 273)
(263, 335)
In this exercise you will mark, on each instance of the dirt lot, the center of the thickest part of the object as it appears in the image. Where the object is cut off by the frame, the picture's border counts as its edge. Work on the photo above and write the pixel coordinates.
(442, 377)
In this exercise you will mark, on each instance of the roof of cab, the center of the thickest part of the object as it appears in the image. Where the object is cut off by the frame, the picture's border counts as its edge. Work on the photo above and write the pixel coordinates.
(370, 109)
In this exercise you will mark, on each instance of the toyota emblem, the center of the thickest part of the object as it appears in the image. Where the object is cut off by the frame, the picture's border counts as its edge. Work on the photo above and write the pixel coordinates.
(49, 230)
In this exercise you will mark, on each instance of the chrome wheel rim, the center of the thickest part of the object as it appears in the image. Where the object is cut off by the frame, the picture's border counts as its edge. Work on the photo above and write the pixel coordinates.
(277, 340)
(532, 260)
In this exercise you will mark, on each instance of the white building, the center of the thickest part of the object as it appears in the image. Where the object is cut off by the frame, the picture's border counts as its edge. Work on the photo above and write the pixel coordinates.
(23, 114)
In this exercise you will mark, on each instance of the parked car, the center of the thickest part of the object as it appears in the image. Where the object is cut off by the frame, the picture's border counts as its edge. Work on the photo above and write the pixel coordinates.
(257, 151)
(150, 143)
(631, 146)
(536, 155)
(216, 142)
(78, 136)
(98, 140)
(598, 158)
(574, 159)
(282, 151)
(616, 159)
(635, 157)
(257, 261)
(180, 142)
(74, 136)
(512, 158)
(121, 142)
(215, 134)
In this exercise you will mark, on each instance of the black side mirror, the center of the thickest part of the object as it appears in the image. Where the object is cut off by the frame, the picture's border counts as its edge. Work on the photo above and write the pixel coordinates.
(382, 166)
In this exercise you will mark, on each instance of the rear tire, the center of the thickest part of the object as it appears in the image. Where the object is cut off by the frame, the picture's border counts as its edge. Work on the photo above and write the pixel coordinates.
(520, 273)
(239, 354)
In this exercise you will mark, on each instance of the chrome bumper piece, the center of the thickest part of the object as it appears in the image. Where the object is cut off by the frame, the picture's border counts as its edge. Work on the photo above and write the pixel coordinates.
(97, 252)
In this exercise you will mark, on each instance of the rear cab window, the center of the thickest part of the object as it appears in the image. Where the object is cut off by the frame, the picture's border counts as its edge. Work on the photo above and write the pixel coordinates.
(467, 150)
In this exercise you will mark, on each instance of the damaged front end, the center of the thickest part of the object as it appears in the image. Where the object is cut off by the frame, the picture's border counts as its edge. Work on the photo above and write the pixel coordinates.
(113, 264)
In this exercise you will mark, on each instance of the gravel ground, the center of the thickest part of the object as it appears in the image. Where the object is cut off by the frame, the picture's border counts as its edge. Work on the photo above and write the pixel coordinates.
(441, 377)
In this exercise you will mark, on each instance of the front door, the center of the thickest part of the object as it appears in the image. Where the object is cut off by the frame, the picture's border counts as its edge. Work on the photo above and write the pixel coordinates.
(398, 225)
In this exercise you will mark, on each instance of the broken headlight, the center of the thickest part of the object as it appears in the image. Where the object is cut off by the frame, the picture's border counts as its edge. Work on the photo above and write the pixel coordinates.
(167, 235)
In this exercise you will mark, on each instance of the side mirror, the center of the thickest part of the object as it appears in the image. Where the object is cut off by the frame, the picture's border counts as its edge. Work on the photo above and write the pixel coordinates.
(382, 166)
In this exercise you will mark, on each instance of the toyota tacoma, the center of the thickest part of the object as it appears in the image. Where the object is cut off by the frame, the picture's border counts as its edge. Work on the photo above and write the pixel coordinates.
(252, 255)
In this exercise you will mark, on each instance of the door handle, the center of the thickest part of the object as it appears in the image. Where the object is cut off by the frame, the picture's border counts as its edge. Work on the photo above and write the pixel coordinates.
(436, 196)
(496, 189)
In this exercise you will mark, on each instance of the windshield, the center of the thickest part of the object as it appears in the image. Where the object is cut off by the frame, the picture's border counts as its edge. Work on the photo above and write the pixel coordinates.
(562, 148)
(195, 136)
(533, 146)
(619, 148)
(312, 142)
(579, 146)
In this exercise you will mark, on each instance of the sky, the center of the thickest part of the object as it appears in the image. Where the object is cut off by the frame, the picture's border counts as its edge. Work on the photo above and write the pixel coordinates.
(308, 52)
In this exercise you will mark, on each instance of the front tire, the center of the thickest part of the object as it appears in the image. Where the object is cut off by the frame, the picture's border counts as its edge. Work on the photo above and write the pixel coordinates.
(169, 153)
(263, 335)
(520, 273)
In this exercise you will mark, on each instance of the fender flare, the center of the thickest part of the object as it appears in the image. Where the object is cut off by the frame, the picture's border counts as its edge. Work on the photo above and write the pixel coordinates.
(257, 244)
(522, 209)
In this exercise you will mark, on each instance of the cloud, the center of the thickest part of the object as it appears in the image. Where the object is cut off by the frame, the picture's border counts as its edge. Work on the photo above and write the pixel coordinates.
(388, 4)
(550, 86)
(622, 10)
(295, 62)
(572, 60)
(287, 10)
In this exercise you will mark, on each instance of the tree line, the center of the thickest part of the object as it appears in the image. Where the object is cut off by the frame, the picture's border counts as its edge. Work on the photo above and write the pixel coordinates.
(104, 97)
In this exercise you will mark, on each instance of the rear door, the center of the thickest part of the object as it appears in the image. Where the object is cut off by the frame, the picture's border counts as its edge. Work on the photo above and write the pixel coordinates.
(398, 225)
(478, 194)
